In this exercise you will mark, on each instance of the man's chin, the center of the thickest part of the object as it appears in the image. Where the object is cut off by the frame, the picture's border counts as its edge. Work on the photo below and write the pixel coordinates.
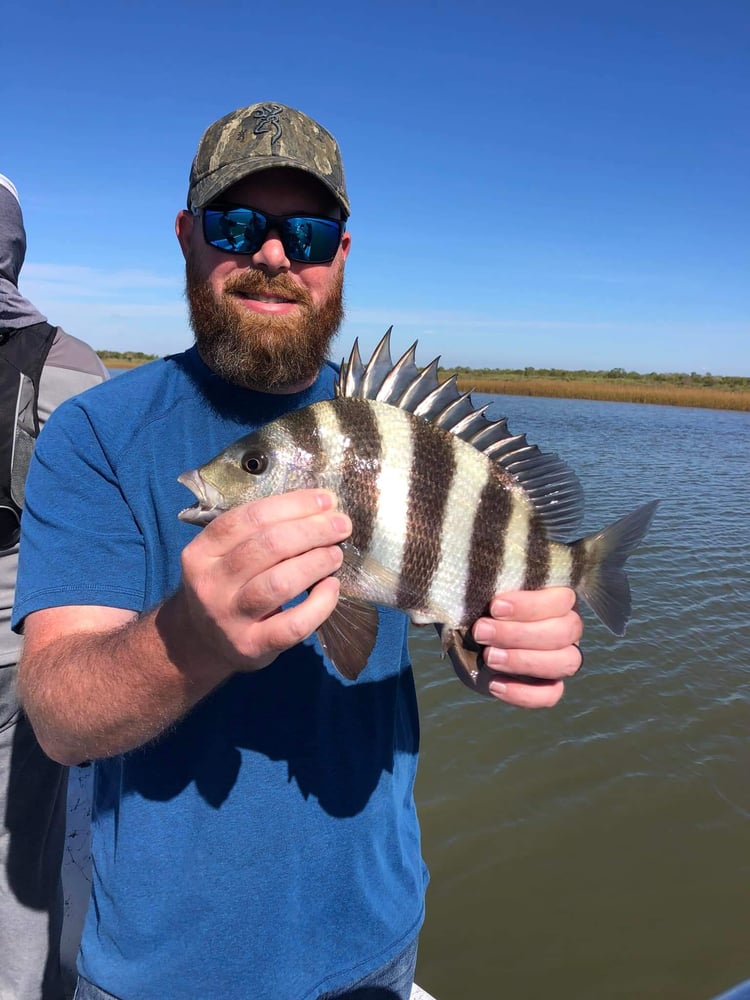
(272, 360)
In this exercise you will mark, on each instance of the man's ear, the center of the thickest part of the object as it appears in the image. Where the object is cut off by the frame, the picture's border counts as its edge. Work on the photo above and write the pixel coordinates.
(183, 227)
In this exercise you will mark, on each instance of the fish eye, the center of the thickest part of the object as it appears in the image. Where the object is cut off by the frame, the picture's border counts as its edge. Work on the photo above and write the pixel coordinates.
(254, 462)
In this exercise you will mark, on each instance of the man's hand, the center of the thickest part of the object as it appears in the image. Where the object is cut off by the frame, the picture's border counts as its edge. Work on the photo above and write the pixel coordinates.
(531, 646)
(242, 567)
(98, 681)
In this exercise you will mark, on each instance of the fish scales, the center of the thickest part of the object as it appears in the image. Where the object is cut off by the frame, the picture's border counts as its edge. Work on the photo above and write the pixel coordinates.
(402, 498)
(372, 488)
(561, 567)
(488, 543)
(431, 475)
(447, 507)
(578, 564)
(389, 544)
(425, 476)
(460, 533)
(516, 554)
(538, 556)
(354, 470)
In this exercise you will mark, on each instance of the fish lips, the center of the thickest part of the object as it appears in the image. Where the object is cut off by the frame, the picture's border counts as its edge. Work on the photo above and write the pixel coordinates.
(209, 504)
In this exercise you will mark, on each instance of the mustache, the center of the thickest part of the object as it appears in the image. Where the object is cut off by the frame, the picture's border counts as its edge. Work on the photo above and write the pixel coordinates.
(254, 282)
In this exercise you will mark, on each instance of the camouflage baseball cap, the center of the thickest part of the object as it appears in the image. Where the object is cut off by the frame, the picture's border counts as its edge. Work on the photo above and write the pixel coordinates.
(258, 137)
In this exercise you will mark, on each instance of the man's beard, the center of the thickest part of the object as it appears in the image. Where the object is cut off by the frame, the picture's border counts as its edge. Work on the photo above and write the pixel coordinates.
(270, 353)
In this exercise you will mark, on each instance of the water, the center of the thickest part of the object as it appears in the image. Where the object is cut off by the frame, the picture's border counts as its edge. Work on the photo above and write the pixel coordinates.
(602, 848)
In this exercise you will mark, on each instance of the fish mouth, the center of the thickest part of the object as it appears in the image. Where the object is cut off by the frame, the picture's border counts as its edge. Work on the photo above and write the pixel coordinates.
(210, 500)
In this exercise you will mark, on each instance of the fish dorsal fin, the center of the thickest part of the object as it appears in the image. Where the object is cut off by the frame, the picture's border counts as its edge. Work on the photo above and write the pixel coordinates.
(350, 374)
(551, 486)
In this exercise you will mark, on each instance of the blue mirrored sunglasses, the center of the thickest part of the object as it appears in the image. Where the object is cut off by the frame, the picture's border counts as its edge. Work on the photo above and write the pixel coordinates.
(308, 239)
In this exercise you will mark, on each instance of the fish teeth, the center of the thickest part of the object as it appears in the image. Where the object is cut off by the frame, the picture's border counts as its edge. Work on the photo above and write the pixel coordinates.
(210, 499)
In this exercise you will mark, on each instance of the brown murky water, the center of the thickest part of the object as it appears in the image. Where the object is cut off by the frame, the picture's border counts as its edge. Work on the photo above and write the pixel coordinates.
(601, 849)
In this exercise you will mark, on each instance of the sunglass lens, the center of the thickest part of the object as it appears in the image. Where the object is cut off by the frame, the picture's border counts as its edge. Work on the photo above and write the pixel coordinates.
(311, 241)
(238, 230)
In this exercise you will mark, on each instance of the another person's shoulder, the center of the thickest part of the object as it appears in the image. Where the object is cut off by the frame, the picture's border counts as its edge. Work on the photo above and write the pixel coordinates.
(71, 354)
(71, 367)
(122, 403)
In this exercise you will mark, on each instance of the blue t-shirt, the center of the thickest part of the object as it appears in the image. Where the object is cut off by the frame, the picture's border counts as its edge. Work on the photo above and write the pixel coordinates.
(267, 846)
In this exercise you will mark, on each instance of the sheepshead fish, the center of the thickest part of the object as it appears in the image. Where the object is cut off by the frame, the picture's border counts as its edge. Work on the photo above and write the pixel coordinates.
(447, 507)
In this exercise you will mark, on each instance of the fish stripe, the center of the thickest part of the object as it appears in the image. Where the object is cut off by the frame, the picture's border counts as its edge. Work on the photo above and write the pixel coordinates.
(537, 556)
(513, 570)
(303, 425)
(448, 590)
(431, 475)
(579, 561)
(560, 573)
(386, 551)
(362, 455)
(488, 543)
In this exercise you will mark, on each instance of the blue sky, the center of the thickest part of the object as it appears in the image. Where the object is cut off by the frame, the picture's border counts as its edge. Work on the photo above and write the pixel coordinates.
(558, 183)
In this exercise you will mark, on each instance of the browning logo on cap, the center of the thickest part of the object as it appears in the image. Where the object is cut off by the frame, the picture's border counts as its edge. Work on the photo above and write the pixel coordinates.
(268, 116)
(259, 137)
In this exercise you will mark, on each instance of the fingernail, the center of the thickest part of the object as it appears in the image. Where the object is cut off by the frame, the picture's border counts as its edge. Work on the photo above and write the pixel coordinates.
(495, 657)
(497, 687)
(501, 609)
(483, 632)
(324, 500)
(342, 523)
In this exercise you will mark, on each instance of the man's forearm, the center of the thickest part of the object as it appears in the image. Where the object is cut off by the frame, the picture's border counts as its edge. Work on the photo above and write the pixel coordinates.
(96, 694)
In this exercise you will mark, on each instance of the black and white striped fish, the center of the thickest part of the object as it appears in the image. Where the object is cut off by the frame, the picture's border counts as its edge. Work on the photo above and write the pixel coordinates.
(448, 508)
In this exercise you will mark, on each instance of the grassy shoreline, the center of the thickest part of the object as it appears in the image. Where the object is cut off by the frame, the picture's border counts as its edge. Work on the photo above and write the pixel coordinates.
(611, 391)
(713, 392)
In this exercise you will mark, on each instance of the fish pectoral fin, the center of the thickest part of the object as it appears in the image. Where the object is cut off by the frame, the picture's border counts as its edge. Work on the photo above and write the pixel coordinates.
(465, 655)
(348, 636)
(365, 575)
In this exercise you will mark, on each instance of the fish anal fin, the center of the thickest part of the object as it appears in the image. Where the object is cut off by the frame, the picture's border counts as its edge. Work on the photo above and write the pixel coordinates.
(465, 655)
(348, 636)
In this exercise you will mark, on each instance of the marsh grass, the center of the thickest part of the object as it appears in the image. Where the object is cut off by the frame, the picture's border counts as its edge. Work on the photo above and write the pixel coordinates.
(610, 390)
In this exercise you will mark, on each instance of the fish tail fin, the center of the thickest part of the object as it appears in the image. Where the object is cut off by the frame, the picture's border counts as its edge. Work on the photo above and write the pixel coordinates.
(604, 583)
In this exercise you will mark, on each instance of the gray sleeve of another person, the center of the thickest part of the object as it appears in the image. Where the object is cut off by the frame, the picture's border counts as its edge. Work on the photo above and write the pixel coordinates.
(71, 367)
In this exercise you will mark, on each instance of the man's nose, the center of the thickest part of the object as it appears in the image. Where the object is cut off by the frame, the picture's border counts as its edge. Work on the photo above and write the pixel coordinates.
(271, 256)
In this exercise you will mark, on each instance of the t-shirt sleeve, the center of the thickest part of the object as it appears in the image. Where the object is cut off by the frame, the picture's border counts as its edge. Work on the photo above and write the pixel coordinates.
(80, 543)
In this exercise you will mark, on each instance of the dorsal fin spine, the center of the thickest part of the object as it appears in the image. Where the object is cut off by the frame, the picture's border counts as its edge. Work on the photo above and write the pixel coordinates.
(402, 375)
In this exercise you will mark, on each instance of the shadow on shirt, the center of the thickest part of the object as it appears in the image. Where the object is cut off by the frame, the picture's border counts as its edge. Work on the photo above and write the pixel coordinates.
(337, 738)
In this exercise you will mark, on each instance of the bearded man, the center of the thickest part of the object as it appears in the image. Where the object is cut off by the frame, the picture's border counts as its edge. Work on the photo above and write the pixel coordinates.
(254, 831)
